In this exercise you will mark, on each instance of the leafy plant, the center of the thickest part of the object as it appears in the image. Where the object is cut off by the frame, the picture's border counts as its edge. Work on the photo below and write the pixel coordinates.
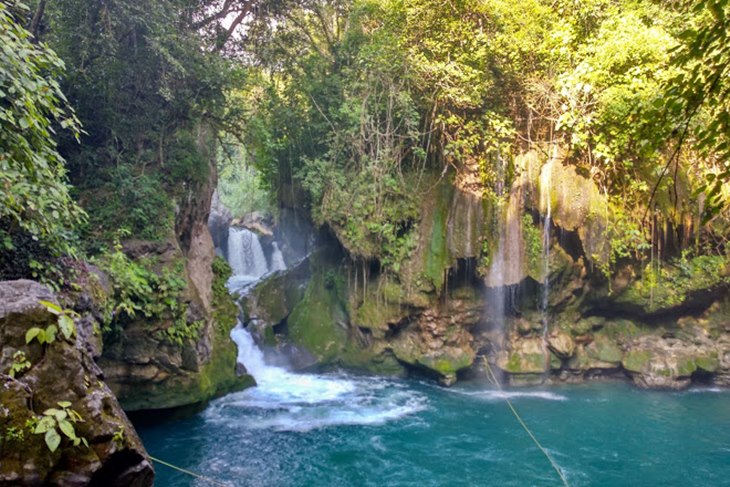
(35, 200)
(118, 436)
(20, 364)
(59, 421)
(43, 335)
(47, 335)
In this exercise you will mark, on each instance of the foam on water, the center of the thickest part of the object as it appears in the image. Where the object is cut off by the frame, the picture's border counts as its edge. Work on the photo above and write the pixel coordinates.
(285, 401)
(496, 395)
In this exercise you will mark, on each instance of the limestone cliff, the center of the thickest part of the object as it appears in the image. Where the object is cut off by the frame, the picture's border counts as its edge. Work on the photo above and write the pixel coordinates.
(146, 364)
(474, 285)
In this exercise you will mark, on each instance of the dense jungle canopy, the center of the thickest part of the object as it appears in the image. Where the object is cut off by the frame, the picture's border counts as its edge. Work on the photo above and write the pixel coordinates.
(110, 111)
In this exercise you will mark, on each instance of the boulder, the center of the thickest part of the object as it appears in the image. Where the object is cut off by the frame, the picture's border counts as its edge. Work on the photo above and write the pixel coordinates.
(62, 371)
(561, 344)
(438, 341)
(524, 356)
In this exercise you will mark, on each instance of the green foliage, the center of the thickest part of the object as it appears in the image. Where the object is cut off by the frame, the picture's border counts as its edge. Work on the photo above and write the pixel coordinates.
(181, 331)
(534, 247)
(12, 434)
(65, 318)
(20, 364)
(697, 97)
(65, 323)
(43, 335)
(55, 422)
(118, 436)
(240, 186)
(152, 97)
(139, 290)
(35, 204)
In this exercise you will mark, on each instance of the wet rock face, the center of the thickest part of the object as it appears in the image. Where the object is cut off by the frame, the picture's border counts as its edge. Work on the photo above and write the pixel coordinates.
(219, 220)
(438, 340)
(59, 371)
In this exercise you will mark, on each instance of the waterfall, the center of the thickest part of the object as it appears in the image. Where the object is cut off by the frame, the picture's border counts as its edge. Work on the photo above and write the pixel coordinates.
(280, 382)
(546, 207)
(277, 258)
(245, 254)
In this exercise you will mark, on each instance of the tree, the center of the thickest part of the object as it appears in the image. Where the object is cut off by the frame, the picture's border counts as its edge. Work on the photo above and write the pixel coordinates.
(698, 97)
(35, 204)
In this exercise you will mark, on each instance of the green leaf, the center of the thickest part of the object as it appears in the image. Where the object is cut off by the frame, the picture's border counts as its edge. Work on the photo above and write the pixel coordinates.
(52, 307)
(67, 429)
(46, 423)
(31, 334)
(50, 334)
(68, 328)
(64, 404)
(53, 439)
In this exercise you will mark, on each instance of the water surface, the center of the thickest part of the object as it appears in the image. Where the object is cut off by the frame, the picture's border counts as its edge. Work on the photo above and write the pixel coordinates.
(340, 430)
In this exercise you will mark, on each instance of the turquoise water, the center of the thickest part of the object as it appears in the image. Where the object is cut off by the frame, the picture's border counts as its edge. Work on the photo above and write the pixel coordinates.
(376, 432)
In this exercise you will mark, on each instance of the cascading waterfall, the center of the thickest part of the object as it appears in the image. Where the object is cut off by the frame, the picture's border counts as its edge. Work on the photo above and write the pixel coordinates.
(245, 254)
(288, 401)
(247, 259)
(546, 206)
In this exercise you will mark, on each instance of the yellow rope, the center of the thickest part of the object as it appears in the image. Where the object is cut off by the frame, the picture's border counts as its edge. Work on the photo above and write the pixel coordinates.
(524, 426)
(188, 472)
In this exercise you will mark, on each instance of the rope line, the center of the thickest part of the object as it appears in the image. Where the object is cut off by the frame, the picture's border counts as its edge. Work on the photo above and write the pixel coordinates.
(188, 472)
(524, 426)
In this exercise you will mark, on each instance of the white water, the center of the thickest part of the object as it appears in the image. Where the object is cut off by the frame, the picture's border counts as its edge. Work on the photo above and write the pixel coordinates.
(247, 259)
(245, 254)
(497, 395)
(301, 402)
(546, 204)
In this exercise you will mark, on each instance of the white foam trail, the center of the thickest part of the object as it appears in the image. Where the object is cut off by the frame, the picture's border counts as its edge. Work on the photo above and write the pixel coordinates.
(495, 395)
(695, 390)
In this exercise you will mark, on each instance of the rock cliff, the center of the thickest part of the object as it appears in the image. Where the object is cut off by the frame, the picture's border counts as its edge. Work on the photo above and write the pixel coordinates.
(53, 382)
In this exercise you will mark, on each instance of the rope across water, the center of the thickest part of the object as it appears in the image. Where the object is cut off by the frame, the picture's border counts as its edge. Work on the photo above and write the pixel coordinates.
(524, 426)
(192, 474)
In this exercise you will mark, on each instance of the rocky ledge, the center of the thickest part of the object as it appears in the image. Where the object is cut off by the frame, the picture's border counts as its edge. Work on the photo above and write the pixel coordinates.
(54, 393)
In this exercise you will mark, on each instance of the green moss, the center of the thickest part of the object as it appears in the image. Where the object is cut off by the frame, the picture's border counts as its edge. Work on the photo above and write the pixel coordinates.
(438, 258)
(605, 350)
(636, 360)
(374, 359)
(521, 363)
(555, 362)
(447, 365)
(708, 363)
(686, 367)
(318, 323)
(535, 253)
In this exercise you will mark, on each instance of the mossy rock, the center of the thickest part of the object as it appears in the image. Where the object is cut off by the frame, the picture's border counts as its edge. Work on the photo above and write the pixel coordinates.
(274, 298)
(319, 322)
(526, 357)
(604, 350)
(708, 363)
(636, 360)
